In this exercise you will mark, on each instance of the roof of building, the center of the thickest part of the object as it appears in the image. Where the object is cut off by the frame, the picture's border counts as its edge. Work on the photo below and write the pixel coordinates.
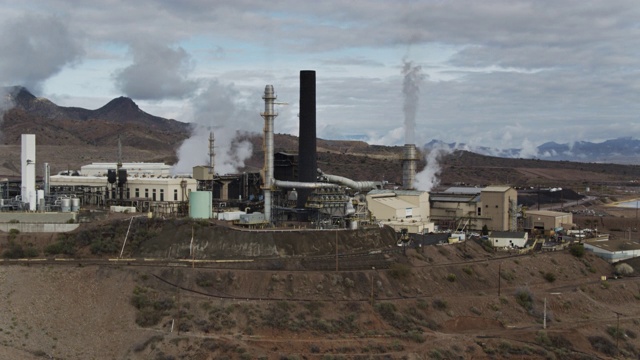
(497, 188)
(135, 165)
(547, 213)
(616, 245)
(462, 190)
(102, 180)
(507, 234)
(396, 192)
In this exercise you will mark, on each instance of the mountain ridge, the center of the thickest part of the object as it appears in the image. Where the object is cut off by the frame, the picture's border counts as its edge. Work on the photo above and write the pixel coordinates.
(58, 125)
(622, 150)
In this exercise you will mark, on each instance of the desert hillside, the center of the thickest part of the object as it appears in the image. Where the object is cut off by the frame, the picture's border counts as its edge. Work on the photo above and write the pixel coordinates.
(439, 302)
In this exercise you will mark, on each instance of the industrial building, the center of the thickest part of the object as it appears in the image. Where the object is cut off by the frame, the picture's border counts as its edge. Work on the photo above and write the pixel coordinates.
(544, 220)
(613, 250)
(401, 209)
(157, 194)
(472, 208)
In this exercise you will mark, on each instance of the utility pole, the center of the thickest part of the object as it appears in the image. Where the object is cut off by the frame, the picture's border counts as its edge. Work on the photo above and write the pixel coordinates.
(499, 281)
(617, 329)
(336, 250)
(544, 320)
(372, 277)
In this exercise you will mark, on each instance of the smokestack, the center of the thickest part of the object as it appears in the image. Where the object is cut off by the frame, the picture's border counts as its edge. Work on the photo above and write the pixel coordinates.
(307, 166)
(28, 160)
(409, 163)
(269, 116)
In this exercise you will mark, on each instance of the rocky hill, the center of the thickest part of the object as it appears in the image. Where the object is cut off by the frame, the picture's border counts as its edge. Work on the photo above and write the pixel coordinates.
(57, 125)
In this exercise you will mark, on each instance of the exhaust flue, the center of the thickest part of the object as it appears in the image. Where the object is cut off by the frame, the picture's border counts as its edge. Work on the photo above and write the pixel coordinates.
(269, 116)
(307, 167)
(409, 165)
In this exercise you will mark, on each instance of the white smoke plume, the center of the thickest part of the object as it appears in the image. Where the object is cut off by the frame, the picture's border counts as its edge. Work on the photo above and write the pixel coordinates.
(219, 109)
(6, 103)
(35, 48)
(427, 179)
(158, 72)
(411, 90)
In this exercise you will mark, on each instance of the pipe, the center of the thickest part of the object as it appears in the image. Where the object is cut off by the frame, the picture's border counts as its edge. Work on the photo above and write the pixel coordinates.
(47, 179)
(302, 185)
(355, 185)
(269, 116)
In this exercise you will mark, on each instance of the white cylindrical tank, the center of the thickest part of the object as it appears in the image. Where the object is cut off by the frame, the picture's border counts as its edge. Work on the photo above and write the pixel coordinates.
(65, 205)
(353, 225)
(40, 200)
(200, 205)
(75, 204)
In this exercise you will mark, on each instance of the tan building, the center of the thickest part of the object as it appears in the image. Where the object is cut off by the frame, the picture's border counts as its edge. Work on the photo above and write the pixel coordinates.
(467, 208)
(408, 209)
(547, 220)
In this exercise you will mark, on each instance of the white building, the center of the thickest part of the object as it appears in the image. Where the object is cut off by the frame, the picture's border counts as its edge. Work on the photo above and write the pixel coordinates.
(508, 239)
(614, 250)
(161, 194)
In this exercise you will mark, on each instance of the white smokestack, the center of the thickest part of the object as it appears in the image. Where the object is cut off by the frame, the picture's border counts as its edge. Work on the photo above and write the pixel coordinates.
(28, 161)
(269, 116)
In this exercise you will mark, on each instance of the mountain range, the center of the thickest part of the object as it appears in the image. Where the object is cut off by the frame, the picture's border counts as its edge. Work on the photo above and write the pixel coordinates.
(624, 150)
(59, 125)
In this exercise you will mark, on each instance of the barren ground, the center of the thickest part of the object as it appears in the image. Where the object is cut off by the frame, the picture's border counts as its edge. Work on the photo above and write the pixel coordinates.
(440, 302)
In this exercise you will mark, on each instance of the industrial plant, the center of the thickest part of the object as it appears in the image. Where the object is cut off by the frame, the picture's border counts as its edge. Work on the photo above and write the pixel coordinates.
(289, 192)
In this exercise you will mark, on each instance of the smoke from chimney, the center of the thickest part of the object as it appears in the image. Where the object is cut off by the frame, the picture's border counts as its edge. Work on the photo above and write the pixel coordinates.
(220, 109)
(427, 179)
(411, 90)
(6, 103)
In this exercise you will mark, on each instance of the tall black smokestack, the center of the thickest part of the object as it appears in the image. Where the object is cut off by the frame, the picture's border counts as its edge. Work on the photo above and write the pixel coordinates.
(307, 166)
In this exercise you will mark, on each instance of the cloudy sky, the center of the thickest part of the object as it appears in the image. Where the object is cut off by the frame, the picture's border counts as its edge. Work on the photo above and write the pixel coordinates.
(498, 73)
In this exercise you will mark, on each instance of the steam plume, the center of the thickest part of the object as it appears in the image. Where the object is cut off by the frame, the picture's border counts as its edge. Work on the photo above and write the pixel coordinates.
(158, 72)
(6, 103)
(411, 90)
(220, 109)
(34, 48)
(427, 179)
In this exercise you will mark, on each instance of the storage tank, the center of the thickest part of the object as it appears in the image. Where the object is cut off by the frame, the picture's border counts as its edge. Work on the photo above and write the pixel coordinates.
(65, 205)
(200, 204)
(75, 204)
(40, 197)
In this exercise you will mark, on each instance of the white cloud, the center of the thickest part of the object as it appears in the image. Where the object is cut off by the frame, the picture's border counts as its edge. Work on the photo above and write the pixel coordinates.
(535, 70)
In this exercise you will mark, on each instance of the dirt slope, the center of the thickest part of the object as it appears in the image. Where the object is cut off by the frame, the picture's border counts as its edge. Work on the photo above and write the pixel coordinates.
(440, 302)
